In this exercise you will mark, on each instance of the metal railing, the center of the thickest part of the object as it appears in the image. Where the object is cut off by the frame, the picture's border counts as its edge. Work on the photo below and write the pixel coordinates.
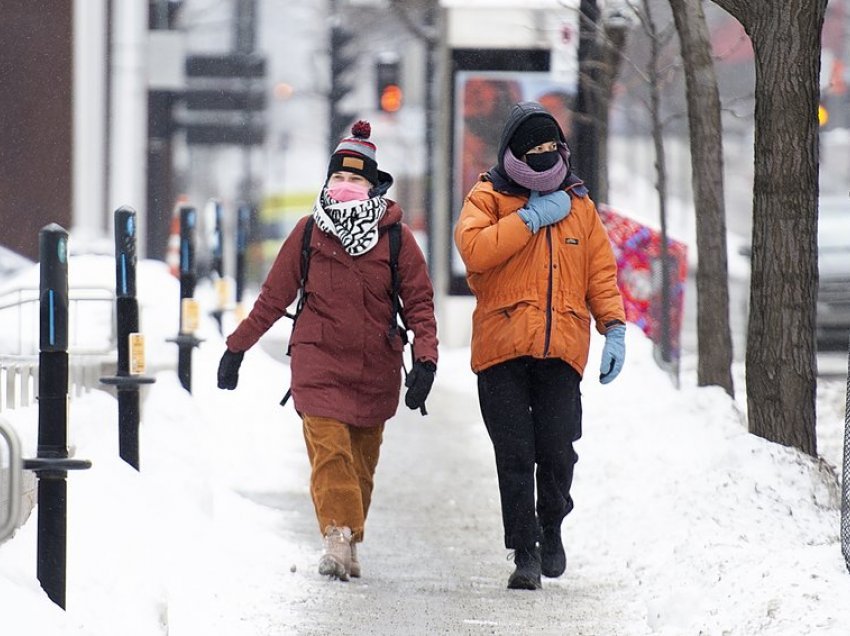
(11, 496)
(18, 381)
(82, 309)
(19, 375)
(19, 362)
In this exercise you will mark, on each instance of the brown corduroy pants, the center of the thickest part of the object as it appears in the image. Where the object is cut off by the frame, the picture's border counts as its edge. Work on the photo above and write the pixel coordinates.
(343, 459)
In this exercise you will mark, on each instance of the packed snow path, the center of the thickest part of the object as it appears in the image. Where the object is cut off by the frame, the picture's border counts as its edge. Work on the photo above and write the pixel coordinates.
(683, 522)
(433, 561)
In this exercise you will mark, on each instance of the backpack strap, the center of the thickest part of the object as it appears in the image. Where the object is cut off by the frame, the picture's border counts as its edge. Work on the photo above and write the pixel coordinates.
(402, 329)
(305, 266)
(394, 233)
(302, 290)
(398, 309)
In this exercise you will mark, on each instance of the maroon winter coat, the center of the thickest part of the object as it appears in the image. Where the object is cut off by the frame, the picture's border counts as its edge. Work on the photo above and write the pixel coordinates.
(344, 363)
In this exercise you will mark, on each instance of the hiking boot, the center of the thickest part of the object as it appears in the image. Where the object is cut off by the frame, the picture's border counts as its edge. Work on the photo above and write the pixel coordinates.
(526, 576)
(354, 571)
(553, 560)
(336, 561)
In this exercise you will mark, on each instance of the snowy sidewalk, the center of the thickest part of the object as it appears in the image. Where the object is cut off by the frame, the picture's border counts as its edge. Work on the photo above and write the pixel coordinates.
(684, 523)
(433, 560)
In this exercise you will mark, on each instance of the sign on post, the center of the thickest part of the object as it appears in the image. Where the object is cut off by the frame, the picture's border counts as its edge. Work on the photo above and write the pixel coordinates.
(225, 100)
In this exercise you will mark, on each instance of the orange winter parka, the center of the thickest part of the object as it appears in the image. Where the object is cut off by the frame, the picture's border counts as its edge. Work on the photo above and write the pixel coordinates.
(536, 292)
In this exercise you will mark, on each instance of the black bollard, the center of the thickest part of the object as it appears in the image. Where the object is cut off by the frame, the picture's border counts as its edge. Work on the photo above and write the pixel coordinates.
(185, 339)
(243, 227)
(127, 379)
(217, 266)
(52, 463)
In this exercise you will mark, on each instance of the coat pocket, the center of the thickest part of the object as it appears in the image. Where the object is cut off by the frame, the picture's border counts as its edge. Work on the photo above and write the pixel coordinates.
(571, 336)
(306, 332)
(506, 329)
(394, 339)
(573, 316)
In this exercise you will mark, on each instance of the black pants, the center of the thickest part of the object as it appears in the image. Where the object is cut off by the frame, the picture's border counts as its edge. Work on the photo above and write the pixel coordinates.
(532, 410)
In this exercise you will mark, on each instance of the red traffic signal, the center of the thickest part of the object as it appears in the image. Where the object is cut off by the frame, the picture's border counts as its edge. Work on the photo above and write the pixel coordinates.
(391, 98)
(389, 93)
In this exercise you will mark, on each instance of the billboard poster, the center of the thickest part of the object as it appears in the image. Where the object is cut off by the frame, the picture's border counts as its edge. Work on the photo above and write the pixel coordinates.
(482, 102)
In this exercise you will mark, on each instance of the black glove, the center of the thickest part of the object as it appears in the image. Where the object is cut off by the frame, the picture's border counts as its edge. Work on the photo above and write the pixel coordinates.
(228, 369)
(418, 383)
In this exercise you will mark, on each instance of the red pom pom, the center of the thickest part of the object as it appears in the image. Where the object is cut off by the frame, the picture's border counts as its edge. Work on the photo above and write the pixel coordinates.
(361, 129)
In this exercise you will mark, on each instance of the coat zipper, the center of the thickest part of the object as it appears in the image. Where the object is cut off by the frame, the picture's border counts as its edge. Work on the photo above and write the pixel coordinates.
(548, 296)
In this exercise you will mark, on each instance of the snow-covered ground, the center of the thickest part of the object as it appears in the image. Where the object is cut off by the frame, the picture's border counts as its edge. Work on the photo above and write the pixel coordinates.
(684, 523)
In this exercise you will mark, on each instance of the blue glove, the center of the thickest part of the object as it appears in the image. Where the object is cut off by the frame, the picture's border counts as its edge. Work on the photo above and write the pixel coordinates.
(613, 354)
(545, 209)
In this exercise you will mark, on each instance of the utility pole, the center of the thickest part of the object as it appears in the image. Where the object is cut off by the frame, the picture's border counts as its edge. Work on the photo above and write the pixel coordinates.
(341, 63)
(161, 126)
(244, 40)
(586, 139)
(430, 126)
(128, 134)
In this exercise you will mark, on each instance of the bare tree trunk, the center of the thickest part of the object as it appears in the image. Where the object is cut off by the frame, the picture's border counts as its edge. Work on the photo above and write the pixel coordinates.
(426, 31)
(714, 338)
(781, 363)
(613, 45)
(660, 184)
(585, 142)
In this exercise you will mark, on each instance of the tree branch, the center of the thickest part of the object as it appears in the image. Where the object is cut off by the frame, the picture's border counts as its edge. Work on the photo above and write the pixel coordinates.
(741, 10)
(420, 31)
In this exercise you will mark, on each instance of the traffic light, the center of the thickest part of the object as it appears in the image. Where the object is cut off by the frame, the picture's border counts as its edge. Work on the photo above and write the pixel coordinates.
(341, 84)
(390, 95)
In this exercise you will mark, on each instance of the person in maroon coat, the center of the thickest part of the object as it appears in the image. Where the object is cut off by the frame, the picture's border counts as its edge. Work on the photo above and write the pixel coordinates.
(346, 359)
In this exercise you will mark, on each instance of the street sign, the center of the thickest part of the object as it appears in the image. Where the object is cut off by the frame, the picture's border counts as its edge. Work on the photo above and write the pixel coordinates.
(233, 65)
(251, 134)
(225, 96)
(225, 99)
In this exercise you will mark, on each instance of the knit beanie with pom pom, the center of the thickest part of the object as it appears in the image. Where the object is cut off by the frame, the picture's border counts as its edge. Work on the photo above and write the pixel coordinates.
(356, 154)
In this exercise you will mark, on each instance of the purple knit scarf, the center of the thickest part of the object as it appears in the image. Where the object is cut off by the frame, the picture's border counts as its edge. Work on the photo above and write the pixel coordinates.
(543, 182)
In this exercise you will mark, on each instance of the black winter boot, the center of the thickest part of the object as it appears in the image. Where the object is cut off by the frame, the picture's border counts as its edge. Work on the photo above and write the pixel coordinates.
(527, 573)
(552, 556)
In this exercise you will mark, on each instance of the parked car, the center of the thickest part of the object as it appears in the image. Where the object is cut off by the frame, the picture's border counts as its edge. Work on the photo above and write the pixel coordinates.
(833, 308)
(832, 321)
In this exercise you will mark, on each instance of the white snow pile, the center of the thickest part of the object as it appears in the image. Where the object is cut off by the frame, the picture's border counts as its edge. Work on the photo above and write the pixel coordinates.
(703, 527)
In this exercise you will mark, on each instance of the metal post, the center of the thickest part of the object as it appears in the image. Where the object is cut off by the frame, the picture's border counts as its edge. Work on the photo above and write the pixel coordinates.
(217, 265)
(185, 339)
(244, 40)
(243, 226)
(430, 127)
(127, 321)
(52, 462)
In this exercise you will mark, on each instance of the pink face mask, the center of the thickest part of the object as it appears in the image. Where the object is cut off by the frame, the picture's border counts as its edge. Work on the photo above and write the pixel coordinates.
(343, 191)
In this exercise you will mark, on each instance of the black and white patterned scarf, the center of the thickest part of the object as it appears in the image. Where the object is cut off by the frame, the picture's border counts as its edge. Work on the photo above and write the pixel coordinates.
(354, 223)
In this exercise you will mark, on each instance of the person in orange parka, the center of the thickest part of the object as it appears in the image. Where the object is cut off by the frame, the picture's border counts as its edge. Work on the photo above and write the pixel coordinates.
(540, 265)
